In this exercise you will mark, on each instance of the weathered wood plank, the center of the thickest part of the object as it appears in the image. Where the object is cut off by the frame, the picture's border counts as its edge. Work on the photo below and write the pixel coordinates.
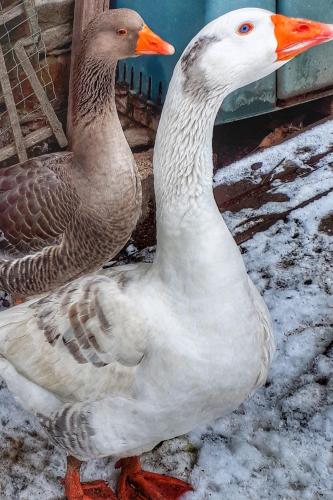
(84, 12)
(11, 108)
(29, 140)
(11, 12)
(32, 19)
(40, 94)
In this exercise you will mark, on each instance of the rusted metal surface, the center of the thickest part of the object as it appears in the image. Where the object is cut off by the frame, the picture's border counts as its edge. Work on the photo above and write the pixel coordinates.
(303, 98)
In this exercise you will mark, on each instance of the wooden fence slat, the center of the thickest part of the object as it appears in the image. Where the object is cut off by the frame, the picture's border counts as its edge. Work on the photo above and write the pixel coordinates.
(40, 94)
(31, 13)
(29, 140)
(11, 108)
(11, 12)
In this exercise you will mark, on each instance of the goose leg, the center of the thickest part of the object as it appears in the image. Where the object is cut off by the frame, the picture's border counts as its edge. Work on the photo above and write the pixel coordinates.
(136, 484)
(75, 490)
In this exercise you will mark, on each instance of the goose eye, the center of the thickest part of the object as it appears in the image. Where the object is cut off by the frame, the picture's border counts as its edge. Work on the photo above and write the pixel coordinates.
(122, 32)
(245, 28)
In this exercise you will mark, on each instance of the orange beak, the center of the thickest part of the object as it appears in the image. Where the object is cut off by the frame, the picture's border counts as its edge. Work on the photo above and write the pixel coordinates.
(295, 36)
(150, 43)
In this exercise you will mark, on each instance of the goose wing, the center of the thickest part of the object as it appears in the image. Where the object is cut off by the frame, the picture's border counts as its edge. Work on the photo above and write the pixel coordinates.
(36, 202)
(71, 357)
(76, 341)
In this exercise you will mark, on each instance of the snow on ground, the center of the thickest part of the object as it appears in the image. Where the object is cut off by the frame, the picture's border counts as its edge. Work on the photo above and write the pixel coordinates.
(278, 444)
(311, 152)
(299, 149)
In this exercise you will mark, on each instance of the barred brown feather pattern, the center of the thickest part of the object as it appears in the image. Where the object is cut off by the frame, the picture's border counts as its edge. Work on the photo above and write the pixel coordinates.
(36, 201)
(70, 429)
(92, 90)
(78, 304)
(88, 242)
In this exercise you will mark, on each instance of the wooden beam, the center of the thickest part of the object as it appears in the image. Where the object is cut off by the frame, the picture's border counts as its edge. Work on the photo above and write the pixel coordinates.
(11, 109)
(40, 94)
(29, 140)
(84, 12)
(32, 19)
(11, 12)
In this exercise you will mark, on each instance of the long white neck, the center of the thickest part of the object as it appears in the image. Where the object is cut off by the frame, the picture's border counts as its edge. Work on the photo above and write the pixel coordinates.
(183, 151)
(190, 228)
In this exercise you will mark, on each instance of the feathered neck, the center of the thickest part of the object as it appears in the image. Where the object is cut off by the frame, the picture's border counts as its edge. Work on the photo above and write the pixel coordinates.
(183, 165)
(183, 170)
(93, 89)
(103, 162)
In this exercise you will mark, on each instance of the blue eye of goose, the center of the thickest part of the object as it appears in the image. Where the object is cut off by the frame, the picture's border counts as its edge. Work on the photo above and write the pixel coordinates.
(245, 28)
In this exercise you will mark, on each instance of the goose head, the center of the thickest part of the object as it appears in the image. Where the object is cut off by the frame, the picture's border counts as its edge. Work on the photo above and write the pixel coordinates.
(246, 45)
(122, 33)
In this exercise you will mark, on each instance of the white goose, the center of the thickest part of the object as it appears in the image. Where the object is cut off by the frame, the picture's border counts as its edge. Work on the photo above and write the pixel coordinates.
(114, 364)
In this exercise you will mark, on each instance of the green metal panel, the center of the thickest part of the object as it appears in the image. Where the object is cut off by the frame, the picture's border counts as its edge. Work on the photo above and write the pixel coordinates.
(312, 70)
(259, 97)
(178, 21)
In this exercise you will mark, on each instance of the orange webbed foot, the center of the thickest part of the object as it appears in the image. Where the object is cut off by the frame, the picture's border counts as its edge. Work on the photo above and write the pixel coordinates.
(75, 490)
(97, 490)
(136, 484)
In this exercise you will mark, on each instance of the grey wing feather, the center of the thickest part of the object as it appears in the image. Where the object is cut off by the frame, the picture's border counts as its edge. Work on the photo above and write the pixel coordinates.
(69, 428)
(265, 333)
(78, 318)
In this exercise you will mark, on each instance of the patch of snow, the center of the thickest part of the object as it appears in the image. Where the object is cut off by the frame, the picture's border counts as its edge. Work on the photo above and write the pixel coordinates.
(299, 149)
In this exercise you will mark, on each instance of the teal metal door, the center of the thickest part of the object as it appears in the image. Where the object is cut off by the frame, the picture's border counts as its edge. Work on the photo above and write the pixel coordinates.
(175, 21)
(259, 97)
(312, 70)
(178, 21)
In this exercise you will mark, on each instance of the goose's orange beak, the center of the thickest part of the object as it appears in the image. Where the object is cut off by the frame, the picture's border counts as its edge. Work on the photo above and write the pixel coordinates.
(150, 43)
(295, 36)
